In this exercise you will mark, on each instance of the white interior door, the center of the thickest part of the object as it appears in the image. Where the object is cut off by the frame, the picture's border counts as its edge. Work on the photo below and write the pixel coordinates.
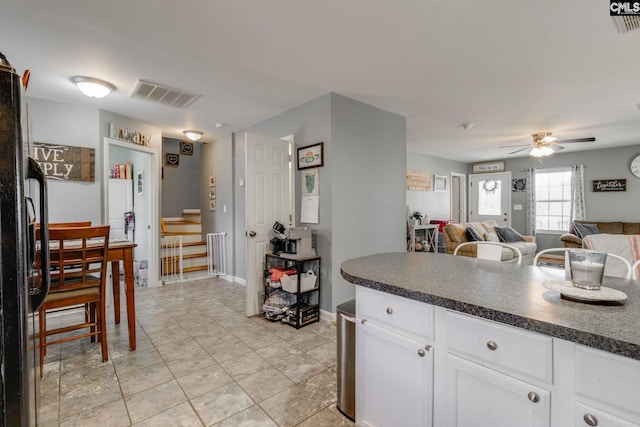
(490, 197)
(120, 201)
(268, 177)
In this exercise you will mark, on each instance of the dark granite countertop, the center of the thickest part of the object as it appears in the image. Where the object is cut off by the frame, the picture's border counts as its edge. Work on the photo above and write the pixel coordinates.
(506, 293)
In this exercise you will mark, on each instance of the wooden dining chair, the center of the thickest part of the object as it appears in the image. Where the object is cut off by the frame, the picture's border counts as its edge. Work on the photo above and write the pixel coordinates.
(69, 224)
(491, 251)
(78, 269)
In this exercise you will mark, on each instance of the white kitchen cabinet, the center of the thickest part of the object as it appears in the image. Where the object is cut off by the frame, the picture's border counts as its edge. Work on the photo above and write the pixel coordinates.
(479, 396)
(394, 378)
(586, 416)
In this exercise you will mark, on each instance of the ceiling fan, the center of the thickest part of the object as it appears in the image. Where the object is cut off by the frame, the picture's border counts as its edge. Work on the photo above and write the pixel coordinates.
(545, 145)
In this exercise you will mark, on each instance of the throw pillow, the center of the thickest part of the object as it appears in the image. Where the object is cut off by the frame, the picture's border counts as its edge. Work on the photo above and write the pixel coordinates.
(508, 234)
(584, 230)
(491, 237)
(472, 235)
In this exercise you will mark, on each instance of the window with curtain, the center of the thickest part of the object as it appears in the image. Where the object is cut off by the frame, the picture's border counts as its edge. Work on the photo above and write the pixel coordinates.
(553, 200)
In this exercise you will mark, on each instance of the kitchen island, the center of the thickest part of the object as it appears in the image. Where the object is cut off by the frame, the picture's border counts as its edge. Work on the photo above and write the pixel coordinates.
(472, 343)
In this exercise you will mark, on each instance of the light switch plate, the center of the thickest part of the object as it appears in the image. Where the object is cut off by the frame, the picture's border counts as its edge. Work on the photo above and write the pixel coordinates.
(241, 182)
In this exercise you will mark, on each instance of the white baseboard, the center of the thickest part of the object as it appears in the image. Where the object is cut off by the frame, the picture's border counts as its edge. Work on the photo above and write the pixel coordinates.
(328, 316)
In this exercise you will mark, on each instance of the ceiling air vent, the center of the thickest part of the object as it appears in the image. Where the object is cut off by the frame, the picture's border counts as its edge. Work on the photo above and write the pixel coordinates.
(627, 23)
(165, 95)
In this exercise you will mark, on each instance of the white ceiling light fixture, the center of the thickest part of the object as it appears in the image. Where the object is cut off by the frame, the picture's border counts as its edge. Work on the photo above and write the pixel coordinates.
(93, 88)
(541, 151)
(193, 135)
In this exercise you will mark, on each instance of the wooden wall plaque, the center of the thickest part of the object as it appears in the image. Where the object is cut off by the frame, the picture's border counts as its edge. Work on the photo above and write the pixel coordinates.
(418, 180)
(65, 162)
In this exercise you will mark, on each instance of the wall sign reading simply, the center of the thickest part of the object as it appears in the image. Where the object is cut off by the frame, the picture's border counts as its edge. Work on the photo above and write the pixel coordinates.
(65, 162)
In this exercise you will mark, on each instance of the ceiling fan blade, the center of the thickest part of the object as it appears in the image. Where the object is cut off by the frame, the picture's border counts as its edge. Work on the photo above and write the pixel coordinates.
(518, 145)
(556, 147)
(576, 140)
(517, 151)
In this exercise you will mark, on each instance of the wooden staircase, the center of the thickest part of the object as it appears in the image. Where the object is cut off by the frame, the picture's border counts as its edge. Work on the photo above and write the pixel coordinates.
(194, 249)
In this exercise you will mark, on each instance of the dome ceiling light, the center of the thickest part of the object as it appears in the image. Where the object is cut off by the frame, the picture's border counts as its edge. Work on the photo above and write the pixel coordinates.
(93, 88)
(193, 135)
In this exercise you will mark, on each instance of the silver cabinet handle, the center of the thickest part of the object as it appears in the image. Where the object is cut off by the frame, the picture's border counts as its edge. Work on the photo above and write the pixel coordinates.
(389, 310)
(591, 420)
(533, 397)
(421, 352)
(492, 345)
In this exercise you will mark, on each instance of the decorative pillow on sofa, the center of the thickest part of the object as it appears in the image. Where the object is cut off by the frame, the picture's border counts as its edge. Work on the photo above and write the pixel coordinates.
(508, 234)
(491, 237)
(584, 230)
(473, 235)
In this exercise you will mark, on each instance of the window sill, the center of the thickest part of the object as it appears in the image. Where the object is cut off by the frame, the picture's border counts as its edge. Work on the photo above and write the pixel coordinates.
(557, 232)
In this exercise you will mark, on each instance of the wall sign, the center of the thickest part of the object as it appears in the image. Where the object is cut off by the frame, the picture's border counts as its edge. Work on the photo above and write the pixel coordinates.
(172, 159)
(186, 148)
(65, 162)
(606, 185)
(418, 180)
(486, 167)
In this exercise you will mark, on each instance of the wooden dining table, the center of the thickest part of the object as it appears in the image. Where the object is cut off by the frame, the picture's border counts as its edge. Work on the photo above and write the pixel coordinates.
(122, 250)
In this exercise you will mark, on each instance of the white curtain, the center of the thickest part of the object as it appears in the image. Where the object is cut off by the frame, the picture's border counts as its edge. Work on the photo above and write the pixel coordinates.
(578, 209)
(530, 203)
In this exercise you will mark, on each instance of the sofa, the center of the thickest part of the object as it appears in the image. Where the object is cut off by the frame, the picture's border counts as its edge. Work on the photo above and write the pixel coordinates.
(454, 234)
(573, 239)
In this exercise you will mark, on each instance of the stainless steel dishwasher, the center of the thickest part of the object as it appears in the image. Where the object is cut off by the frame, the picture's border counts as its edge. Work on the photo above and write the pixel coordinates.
(346, 334)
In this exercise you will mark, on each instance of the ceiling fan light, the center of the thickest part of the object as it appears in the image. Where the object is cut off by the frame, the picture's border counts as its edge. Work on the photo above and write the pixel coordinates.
(93, 88)
(193, 135)
(542, 151)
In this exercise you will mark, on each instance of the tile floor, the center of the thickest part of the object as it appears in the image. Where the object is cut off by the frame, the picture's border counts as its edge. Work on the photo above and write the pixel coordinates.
(199, 362)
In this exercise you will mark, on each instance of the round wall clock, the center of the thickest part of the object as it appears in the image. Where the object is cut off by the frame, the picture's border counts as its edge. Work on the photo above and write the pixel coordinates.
(634, 167)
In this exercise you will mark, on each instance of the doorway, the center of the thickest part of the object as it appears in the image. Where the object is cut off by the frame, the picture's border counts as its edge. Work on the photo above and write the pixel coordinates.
(490, 197)
(458, 198)
(144, 192)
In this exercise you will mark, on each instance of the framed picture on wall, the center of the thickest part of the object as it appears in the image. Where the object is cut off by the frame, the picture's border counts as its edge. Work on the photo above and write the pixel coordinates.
(140, 183)
(311, 156)
(186, 148)
(172, 159)
(439, 183)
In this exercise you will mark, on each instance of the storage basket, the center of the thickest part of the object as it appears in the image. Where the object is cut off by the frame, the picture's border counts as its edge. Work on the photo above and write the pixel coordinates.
(290, 283)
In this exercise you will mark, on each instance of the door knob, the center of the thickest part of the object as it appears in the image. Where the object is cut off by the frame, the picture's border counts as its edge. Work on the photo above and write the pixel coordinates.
(252, 233)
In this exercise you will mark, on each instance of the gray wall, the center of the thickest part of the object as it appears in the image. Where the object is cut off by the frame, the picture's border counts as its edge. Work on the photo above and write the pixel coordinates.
(57, 123)
(180, 186)
(368, 153)
(308, 123)
(216, 159)
(436, 204)
(599, 164)
(362, 197)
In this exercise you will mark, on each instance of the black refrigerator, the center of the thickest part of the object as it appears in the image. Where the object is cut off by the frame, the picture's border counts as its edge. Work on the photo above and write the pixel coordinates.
(22, 188)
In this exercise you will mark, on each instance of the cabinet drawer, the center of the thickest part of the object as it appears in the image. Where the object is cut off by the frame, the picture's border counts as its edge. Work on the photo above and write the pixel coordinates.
(506, 348)
(585, 416)
(395, 312)
(608, 378)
